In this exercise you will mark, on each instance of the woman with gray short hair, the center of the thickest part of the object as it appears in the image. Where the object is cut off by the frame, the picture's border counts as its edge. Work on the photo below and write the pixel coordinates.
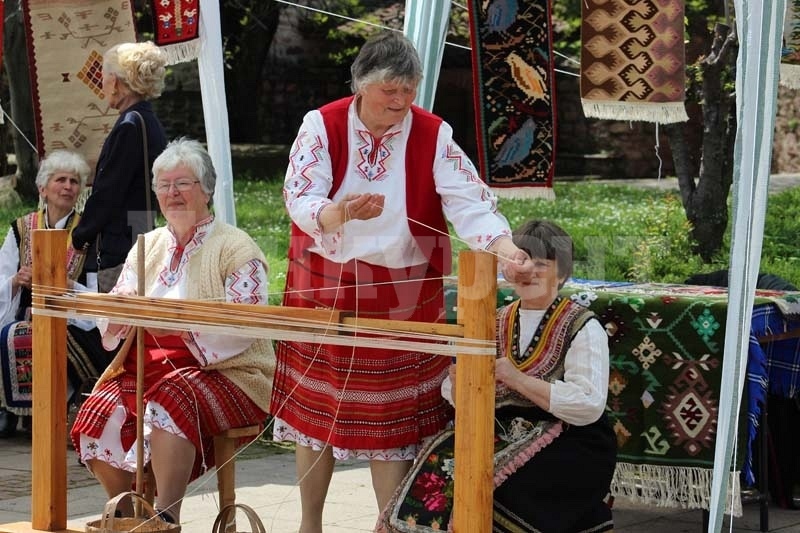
(371, 184)
(61, 178)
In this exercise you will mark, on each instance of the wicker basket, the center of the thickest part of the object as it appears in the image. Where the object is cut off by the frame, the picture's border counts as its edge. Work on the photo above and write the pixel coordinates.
(108, 523)
(228, 513)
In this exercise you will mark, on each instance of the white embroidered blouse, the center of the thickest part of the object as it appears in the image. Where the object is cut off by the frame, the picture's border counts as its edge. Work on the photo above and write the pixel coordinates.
(247, 285)
(379, 166)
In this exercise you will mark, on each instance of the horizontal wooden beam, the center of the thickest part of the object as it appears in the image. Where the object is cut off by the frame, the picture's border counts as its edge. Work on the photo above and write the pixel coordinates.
(120, 308)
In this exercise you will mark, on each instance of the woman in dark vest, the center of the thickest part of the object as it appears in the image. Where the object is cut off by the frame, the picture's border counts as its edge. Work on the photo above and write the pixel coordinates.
(554, 452)
(61, 177)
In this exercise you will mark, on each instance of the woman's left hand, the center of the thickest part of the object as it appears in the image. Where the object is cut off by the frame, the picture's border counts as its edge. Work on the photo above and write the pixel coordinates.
(505, 372)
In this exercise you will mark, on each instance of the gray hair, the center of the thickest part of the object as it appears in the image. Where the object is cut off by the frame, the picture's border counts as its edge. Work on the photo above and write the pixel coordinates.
(388, 56)
(63, 161)
(140, 66)
(185, 152)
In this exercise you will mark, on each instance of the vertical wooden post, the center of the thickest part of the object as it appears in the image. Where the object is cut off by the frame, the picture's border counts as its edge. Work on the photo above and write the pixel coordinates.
(49, 453)
(474, 390)
(139, 385)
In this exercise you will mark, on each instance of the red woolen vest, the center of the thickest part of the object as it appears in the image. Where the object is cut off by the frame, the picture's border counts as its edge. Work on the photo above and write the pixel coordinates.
(423, 204)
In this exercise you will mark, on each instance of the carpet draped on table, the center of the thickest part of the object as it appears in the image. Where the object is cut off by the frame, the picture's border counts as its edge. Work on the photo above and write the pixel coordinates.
(666, 353)
(66, 40)
(790, 55)
(512, 65)
(176, 24)
(633, 60)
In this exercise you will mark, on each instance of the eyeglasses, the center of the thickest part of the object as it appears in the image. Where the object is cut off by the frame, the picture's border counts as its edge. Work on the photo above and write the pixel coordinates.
(180, 185)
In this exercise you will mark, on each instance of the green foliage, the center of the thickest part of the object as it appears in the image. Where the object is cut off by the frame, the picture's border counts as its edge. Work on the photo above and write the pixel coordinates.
(260, 211)
(619, 232)
(780, 253)
(566, 17)
(663, 251)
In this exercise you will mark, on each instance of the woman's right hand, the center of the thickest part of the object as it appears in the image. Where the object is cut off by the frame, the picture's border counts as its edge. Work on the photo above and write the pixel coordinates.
(362, 206)
(23, 277)
(120, 331)
(351, 207)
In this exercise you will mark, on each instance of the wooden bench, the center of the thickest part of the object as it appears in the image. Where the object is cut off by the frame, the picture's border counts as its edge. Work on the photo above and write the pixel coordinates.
(225, 445)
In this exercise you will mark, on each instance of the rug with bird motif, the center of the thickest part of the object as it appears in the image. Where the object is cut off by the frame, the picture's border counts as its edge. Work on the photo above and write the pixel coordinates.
(512, 66)
(66, 40)
(633, 60)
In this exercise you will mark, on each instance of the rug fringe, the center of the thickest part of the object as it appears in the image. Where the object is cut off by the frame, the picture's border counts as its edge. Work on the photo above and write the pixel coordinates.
(662, 112)
(672, 486)
(181, 52)
(790, 76)
(524, 193)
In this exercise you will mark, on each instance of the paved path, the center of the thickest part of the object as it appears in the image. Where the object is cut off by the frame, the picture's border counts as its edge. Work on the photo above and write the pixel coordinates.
(266, 481)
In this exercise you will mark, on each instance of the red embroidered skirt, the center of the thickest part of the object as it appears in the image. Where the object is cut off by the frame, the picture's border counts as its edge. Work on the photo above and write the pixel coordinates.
(201, 403)
(361, 398)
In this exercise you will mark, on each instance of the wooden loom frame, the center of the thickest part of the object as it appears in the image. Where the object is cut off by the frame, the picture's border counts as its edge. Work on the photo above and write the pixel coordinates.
(477, 286)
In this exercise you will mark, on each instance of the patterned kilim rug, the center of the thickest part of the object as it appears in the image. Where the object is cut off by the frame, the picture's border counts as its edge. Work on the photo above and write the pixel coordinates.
(632, 60)
(66, 41)
(512, 65)
(790, 57)
(666, 351)
(16, 373)
(176, 25)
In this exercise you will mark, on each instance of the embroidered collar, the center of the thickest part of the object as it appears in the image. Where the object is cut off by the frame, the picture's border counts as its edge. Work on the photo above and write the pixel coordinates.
(179, 255)
(534, 348)
(44, 221)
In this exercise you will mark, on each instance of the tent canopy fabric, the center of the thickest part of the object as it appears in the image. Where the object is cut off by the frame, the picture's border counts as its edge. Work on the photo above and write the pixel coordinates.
(759, 27)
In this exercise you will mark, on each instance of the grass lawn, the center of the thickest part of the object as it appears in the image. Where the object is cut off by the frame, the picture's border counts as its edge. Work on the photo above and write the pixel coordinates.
(620, 232)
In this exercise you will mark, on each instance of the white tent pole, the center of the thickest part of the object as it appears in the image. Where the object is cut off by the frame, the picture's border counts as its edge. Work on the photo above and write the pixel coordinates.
(759, 27)
(426, 24)
(215, 110)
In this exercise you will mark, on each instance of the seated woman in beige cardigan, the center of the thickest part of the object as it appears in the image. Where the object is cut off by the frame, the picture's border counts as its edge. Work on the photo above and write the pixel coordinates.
(196, 384)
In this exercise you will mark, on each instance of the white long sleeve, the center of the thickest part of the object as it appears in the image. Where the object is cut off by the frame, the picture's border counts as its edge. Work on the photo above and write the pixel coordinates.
(9, 265)
(580, 398)
(466, 200)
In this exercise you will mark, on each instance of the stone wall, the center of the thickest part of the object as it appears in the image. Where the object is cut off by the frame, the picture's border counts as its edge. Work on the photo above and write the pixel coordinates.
(584, 147)
(786, 145)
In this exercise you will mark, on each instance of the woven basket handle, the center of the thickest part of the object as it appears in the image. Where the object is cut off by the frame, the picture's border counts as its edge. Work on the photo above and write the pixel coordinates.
(107, 522)
(229, 511)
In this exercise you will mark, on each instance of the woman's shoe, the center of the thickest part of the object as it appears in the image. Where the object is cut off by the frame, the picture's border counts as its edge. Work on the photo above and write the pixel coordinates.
(166, 516)
(8, 423)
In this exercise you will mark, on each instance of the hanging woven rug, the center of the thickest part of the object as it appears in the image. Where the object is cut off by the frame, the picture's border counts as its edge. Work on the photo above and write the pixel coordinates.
(176, 24)
(66, 41)
(633, 60)
(512, 66)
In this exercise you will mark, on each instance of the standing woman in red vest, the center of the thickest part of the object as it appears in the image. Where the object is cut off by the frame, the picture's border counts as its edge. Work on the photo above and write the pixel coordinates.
(371, 183)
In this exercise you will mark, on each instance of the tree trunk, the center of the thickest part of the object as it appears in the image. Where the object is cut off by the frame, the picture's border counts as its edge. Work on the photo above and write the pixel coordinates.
(706, 202)
(248, 48)
(15, 59)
